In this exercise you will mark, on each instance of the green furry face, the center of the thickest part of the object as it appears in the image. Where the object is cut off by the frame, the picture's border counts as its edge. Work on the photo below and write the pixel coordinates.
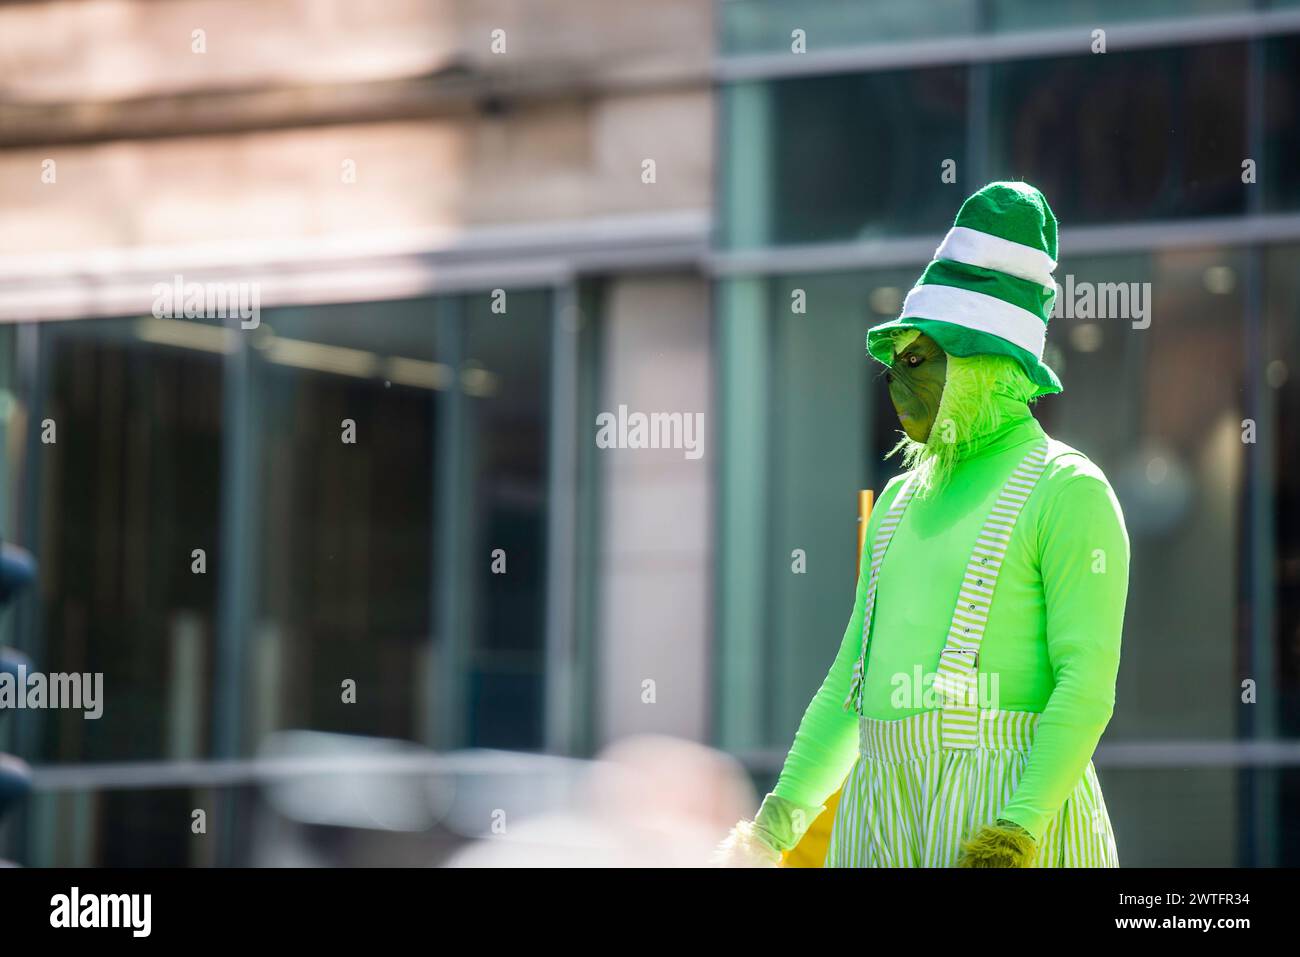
(916, 385)
(957, 398)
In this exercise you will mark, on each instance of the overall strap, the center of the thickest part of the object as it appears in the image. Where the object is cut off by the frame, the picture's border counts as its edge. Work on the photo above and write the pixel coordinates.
(884, 533)
(959, 660)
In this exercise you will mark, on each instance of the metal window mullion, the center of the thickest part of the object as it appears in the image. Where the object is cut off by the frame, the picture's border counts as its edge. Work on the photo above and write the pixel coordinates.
(235, 591)
(449, 658)
(1260, 789)
(33, 346)
(741, 356)
(560, 662)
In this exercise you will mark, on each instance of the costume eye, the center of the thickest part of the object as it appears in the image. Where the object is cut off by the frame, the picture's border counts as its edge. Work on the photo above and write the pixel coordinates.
(914, 360)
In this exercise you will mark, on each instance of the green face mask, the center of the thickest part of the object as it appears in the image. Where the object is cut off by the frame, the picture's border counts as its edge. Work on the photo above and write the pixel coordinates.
(916, 382)
(944, 401)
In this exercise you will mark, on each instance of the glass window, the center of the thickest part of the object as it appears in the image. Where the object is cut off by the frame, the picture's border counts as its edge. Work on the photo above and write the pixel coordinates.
(1150, 134)
(1154, 396)
(114, 486)
(369, 547)
(765, 26)
(128, 487)
(389, 449)
(841, 158)
(1174, 817)
(507, 388)
(803, 431)
(1009, 15)
(1279, 446)
(344, 431)
(828, 402)
(1281, 123)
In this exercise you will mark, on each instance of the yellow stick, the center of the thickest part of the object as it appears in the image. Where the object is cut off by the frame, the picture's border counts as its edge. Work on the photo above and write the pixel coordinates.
(865, 498)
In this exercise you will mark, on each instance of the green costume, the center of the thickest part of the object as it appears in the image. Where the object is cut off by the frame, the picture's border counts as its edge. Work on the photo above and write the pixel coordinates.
(1051, 641)
(978, 668)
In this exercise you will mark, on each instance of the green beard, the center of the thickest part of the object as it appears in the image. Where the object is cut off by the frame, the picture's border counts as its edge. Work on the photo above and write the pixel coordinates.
(967, 410)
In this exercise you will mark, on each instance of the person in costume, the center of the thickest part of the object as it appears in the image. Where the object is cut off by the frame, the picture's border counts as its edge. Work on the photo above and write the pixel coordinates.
(978, 669)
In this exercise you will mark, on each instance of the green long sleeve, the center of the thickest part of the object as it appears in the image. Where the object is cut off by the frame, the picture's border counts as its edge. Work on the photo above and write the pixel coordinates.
(1052, 640)
(1084, 560)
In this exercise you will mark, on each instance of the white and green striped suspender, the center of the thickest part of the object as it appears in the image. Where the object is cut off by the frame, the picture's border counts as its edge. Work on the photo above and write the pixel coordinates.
(884, 533)
(959, 660)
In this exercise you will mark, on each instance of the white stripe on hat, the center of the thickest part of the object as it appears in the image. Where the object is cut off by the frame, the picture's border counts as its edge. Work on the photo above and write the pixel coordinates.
(974, 248)
(977, 311)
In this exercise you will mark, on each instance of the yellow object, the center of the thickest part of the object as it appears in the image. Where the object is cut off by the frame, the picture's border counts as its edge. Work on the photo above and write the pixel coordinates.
(811, 849)
(865, 498)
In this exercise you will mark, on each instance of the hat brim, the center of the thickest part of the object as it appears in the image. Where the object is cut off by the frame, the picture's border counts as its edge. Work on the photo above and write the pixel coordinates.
(960, 341)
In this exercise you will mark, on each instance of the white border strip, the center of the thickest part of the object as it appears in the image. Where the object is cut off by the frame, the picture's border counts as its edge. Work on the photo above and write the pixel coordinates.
(975, 310)
(976, 248)
(94, 283)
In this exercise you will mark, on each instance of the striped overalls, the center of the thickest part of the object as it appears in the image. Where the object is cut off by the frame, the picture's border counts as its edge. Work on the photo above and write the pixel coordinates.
(923, 784)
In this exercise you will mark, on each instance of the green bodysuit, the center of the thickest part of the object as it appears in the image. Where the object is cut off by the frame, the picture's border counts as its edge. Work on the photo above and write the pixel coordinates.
(1053, 635)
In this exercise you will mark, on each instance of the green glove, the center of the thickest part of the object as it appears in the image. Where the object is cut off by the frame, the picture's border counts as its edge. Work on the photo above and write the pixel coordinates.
(1000, 844)
(776, 827)
(780, 823)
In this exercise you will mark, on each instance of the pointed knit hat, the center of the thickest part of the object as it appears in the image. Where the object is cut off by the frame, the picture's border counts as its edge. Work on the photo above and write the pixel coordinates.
(989, 288)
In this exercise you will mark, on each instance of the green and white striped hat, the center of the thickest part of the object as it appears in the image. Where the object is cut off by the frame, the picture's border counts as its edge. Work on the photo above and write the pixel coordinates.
(990, 287)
